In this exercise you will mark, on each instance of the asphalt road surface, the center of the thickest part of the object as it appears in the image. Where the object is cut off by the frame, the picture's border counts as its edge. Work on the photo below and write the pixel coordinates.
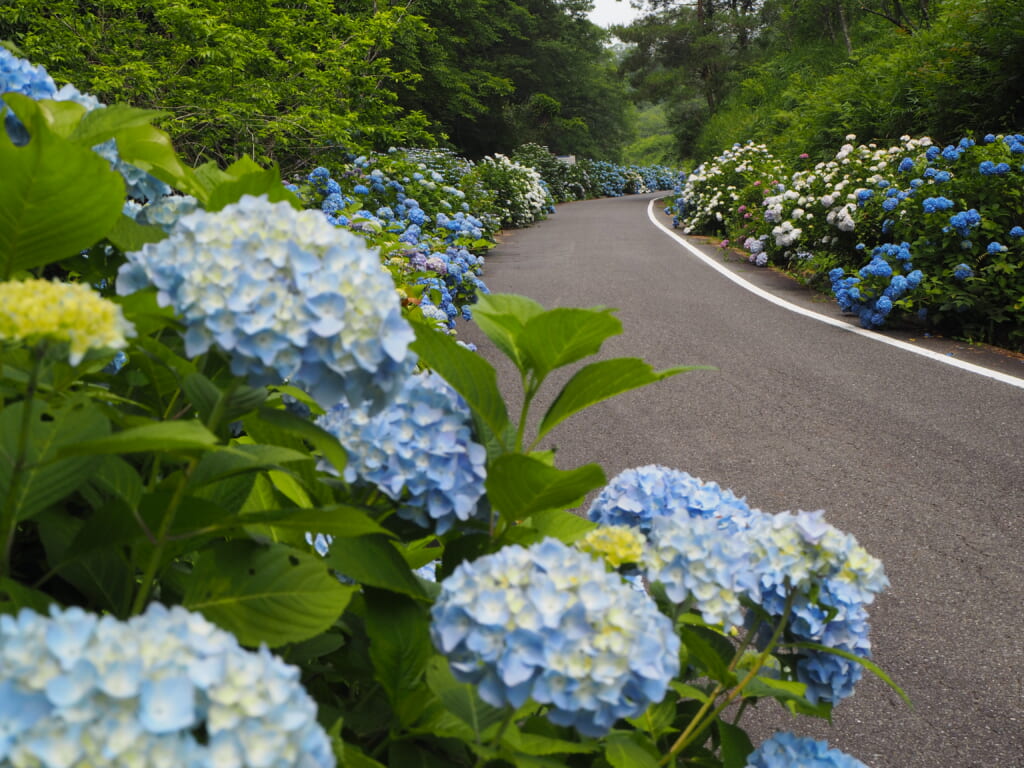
(923, 462)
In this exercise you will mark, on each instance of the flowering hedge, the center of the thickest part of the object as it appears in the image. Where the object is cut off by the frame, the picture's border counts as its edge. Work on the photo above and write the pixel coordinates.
(913, 228)
(256, 510)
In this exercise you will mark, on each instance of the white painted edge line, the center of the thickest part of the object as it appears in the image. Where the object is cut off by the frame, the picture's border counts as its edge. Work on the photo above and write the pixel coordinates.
(1005, 378)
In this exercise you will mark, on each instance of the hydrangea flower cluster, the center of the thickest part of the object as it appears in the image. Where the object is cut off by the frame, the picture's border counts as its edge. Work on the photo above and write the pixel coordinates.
(418, 450)
(19, 76)
(637, 496)
(834, 578)
(550, 623)
(784, 750)
(617, 545)
(163, 688)
(67, 313)
(872, 294)
(285, 294)
(702, 566)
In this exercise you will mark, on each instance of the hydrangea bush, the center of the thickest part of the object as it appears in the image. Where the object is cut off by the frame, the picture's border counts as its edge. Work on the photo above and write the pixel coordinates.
(233, 431)
(958, 209)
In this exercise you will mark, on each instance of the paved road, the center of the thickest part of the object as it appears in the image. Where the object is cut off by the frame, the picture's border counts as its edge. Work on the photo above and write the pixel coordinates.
(923, 462)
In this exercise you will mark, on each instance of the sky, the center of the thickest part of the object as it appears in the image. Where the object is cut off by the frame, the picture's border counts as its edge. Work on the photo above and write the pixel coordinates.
(608, 12)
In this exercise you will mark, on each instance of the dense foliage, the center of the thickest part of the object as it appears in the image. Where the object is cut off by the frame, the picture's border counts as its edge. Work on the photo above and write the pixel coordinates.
(256, 512)
(798, 75)
(301, 83)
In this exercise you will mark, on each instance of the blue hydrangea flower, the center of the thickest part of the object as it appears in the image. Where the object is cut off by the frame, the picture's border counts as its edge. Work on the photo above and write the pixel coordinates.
(286, 295)
(637, 496)
(989, 168)
(418, 450)
(906, 165)
(702, 566)
(935, 204)
(965, 221)
(834, 578)
(163, 688)
(784, 750)
(1017, 232)
(550, 623)
(995, 247)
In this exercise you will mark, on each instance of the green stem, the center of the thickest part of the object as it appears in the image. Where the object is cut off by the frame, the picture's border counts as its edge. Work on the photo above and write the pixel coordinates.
(700, 722)
(149, 575)
(8, 516)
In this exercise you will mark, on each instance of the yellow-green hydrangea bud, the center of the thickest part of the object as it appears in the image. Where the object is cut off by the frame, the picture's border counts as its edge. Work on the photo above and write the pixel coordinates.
(34, 310)
(617, 545)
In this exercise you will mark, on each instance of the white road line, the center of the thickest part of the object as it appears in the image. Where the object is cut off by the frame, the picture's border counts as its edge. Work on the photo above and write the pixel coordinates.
(1005, 378)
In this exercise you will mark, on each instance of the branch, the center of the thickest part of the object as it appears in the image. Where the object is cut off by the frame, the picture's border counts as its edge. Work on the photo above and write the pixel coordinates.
(909, 30)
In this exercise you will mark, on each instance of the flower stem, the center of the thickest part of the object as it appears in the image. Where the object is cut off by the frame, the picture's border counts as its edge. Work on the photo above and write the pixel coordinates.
(8, 516)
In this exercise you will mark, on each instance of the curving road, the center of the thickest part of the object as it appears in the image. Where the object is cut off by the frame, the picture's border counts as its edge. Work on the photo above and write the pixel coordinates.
(923, 462)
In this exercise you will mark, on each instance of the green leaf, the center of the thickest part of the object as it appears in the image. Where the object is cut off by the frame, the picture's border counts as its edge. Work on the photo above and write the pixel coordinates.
(273, 595)
(99, 125)
(560, 524)
(783, 690)
(232, 460)
(15, 596)
(539, 745)
(354, 758)
(128, 235)
(157, 437)
(468, 373)
(657, 719)
(735, 743)
(400, 646)
(61, 117)
(320, 439)
(373, 560)
(56, 198)
(713, 652)
(629, 750)
(564, 335)
(244, 177)
(502, 317)
(599, 381)
(519, 486)
(149, 148)
(46, 475)
(461, 699)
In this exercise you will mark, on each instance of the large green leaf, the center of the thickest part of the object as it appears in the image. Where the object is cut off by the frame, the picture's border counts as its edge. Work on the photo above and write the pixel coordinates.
(502, 316)
(319, 438)
(562, 336)
(99, 125)
(600, 381)
(560, 524)
(150, 149)
(629, 750)
(468, 373)
(519, 486)
(461, 699)
(44, 477)
(230, 460)
(56, 198)
(373, 560)
(273, 595)
(400, 647)
(15, 596)
(244, 177)
(128, 235)
(735, 743)
(158, 437)
(711, 651)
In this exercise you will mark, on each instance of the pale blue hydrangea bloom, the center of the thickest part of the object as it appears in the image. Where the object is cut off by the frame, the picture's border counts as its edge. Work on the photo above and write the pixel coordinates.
(784, 750)
(286, 295)
(702, 566)
(636, 496)
(418, 450)
(550, 623)
(163, 688)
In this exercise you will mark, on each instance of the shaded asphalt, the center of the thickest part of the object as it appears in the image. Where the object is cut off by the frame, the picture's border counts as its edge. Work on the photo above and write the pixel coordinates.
(923, 462)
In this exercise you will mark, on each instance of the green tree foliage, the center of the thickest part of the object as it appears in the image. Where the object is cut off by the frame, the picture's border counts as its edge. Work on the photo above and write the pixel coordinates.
(798, 74)
(284, 81)
(496, 74)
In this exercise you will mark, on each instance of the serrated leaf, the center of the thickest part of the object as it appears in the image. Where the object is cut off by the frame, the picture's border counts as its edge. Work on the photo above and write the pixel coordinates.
(519, 486)
(150, 149)
(501, 317)
(273, 595)
(560, 524)
(599, 381)
(400, 646)
(56, 198)
(374, 561)
(99, 125)
(564, 335)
